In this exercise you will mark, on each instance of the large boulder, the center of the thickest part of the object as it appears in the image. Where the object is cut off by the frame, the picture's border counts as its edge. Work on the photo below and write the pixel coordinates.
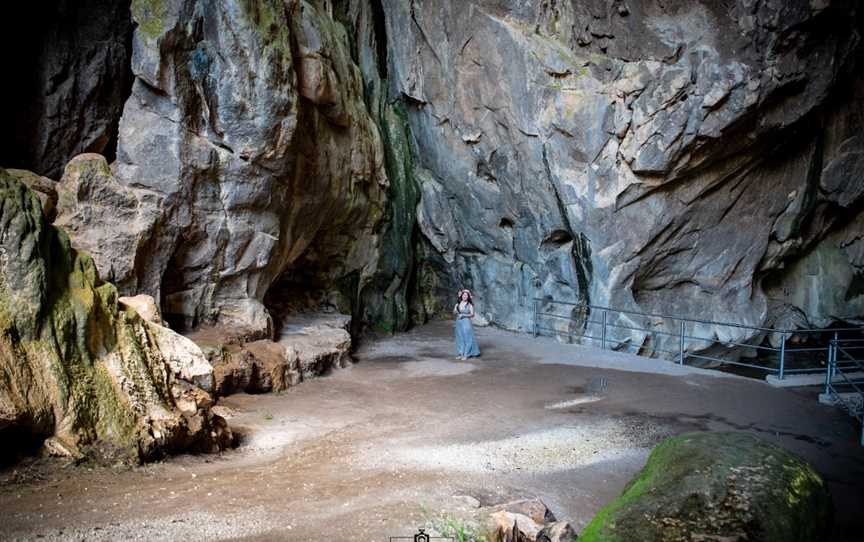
(103, 217)
(309, 345)
(718, 486)
(79, 370)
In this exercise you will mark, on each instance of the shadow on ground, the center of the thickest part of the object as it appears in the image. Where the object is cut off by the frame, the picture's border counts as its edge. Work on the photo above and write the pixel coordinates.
(372, 451)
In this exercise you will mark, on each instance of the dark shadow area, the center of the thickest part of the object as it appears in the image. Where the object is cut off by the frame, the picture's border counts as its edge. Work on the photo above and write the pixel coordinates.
(301, 289)
(18, 444)
(68, 65)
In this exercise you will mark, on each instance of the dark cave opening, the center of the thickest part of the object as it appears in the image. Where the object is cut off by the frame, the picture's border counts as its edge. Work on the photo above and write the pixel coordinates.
(172, 283)
(27, 444)
(53, 113)
(302, 289)
(380, 27)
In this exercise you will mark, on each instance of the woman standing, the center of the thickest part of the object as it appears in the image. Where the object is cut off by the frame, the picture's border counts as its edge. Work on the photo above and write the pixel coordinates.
(466, 343)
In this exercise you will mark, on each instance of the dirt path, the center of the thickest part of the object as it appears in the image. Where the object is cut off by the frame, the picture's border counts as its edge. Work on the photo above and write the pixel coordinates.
(359, 454)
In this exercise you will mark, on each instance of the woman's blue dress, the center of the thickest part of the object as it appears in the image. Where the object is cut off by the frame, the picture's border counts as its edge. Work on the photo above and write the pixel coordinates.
(466, 343)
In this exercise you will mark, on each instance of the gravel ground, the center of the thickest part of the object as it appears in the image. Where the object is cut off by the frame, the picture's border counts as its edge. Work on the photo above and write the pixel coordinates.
(409, 434)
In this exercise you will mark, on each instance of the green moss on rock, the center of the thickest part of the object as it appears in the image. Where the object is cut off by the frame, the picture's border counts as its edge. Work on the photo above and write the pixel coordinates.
(717, 486)
(72, 365)
(150, 16)
(271, 21)
(390, 312)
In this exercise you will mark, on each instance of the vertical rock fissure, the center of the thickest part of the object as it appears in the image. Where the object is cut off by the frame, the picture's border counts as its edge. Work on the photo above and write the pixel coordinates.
(580, 251)
(380, 29)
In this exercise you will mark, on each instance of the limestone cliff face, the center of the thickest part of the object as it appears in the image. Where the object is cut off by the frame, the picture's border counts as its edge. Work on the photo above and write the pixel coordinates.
(698, 158)
(246, 155)
(78, 369)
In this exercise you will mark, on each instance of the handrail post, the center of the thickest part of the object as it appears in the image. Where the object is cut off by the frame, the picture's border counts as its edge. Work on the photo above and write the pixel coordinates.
(681, 344)
(835, 345)
(832, 360)
(782, 355)
(535, 319)
(603, 333)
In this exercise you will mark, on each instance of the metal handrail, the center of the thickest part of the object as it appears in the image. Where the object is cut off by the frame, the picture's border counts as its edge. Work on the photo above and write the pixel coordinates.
(683, 337)
(834, 369)
(697, 320)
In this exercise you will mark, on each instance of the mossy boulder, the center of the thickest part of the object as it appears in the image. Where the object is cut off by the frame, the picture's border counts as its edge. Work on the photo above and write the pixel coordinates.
(45, 189)
(718, 486)
(75, 368)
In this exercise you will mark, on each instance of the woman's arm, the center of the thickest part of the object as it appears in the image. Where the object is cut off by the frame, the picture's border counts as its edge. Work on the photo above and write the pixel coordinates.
(471, 314)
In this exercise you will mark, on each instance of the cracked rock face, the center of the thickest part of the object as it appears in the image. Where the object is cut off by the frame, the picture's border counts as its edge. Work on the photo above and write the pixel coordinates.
(690, 158)
(245, 152)
(697, 158)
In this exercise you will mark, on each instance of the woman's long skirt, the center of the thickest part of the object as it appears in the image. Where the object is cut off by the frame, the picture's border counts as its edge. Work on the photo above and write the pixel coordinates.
(466, 343)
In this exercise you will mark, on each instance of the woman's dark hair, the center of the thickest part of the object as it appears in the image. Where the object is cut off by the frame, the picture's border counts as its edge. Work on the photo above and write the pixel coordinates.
(459, 297)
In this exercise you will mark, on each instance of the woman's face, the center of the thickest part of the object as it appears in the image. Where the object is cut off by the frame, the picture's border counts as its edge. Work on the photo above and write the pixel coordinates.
(463, 296)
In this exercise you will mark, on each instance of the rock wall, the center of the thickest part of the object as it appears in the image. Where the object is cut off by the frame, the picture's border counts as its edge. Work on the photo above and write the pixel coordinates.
(699, 158)
(372, 156)
(79, 370)
(696, 158)
(385, 300)
(246, 158)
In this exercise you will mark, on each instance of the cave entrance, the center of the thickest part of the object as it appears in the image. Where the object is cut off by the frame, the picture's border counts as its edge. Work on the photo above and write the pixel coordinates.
(304, 288)
(25, 443)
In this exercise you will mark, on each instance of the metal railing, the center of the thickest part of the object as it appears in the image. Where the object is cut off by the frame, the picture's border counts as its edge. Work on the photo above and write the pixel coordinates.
(601, 324)
(844, 379)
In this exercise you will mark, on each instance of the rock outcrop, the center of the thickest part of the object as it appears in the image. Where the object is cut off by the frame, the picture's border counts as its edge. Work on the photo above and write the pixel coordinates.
(44, 188)
(718, 486)
(246, 156)
(309, 345)
(691, 158)
(520, 521)
(79, 370)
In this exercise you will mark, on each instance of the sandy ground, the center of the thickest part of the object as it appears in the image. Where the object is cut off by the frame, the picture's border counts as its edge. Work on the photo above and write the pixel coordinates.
(409, 433)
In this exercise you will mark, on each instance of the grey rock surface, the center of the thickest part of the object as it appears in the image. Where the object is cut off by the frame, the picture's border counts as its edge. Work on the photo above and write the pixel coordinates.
(246, 154)
(688, 158)
(698, 158)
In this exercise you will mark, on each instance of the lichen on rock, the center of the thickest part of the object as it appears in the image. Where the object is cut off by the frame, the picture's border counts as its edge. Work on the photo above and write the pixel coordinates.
(717, 486)
(77, 368)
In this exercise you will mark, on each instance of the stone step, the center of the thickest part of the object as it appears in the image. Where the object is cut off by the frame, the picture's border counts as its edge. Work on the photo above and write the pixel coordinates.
(795, 381)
